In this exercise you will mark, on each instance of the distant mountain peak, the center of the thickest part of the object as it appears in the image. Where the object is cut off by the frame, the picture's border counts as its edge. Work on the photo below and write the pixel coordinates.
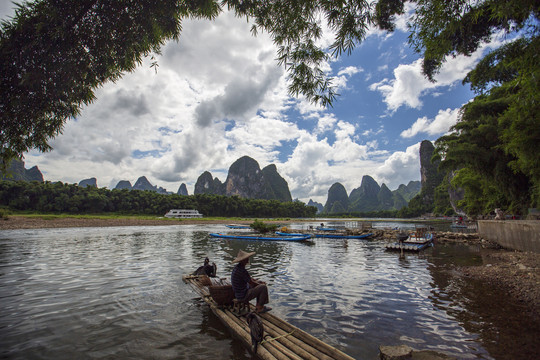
(246, 179)
(17, 171)
(88, 182)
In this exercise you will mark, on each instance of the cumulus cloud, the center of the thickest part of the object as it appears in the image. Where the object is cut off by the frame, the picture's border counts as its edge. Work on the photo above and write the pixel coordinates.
(400, 167)
(350, 70)
(409, 85)
(440, 125)
(316, 163)
(325, 122)
(241, 98)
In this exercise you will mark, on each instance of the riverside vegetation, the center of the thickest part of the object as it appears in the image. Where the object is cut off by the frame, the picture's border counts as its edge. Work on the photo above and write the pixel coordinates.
(58, 197)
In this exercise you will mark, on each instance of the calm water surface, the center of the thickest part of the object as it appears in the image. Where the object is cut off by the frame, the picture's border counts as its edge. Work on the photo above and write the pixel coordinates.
(118, 293)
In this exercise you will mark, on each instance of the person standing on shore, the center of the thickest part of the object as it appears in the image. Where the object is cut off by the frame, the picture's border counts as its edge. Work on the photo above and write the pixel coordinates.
(245, 287)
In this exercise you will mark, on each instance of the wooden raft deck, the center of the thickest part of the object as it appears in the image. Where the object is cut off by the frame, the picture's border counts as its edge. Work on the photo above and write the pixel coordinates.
(282, 341)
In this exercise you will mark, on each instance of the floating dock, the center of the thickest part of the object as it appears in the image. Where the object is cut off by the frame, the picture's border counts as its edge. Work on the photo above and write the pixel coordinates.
(327, 235)
(415, 242)
(407, 246)
(282, 341)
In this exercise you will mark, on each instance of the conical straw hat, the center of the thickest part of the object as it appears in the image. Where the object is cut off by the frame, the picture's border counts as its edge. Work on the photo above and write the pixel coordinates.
(242, 255)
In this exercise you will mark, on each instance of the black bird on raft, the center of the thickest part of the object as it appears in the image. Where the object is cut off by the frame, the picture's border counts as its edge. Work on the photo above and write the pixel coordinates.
(256, 329)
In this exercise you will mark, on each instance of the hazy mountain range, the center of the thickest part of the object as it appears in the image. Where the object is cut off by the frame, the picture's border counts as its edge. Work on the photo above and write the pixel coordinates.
(246, 179)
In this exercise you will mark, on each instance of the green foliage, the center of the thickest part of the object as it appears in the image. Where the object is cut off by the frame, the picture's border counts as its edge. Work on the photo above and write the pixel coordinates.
(416, 207)
(481, 197)
(442, 28)
(262, 227)
(57, 197)
(384, 10)
(441, 205)
(493, 149)
(4, 214)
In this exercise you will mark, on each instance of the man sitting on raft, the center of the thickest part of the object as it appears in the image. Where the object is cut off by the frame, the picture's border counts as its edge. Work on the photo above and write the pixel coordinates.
(206, 269)
(245, 288)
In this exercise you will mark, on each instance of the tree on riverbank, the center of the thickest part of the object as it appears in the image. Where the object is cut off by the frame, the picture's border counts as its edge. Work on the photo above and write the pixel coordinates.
(57, 197)
(491, 152)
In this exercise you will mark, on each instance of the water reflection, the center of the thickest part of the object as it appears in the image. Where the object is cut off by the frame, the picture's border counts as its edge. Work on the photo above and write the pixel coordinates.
(117, 292)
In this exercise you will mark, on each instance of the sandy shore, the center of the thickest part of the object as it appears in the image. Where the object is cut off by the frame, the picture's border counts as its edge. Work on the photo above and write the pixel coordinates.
(516, 273)
(24, 222)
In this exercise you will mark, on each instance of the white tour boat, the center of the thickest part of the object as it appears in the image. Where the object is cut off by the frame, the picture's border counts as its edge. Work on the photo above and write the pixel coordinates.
(183, 213)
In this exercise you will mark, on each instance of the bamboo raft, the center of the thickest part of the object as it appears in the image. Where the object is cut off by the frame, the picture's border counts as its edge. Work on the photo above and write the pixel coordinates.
(282, 341)
(416, 241)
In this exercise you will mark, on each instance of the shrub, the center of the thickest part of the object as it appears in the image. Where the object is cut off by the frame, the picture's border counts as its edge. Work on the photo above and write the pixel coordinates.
(261, 227)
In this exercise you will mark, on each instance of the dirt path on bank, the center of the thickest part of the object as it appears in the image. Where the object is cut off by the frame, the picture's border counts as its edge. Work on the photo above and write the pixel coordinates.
(26, 222)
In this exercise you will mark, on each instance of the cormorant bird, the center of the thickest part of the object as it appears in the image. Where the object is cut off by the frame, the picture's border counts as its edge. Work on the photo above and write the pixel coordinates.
(256, 329)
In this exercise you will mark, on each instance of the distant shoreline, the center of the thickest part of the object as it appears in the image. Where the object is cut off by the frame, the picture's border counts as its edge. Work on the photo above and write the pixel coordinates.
(48, 221)
(15, 222)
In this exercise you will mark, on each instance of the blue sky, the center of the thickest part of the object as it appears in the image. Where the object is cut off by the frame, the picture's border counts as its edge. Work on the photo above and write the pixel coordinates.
(219, 94)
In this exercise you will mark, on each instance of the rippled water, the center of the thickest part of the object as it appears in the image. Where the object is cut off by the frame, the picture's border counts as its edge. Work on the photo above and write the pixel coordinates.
(118, 293)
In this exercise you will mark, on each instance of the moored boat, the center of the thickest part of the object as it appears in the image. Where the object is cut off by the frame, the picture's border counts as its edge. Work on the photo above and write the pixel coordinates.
(237, 226)
(320, 228)
(408, 246)
(261, 238)
(417, 241)
(183, 214)
(343, 236)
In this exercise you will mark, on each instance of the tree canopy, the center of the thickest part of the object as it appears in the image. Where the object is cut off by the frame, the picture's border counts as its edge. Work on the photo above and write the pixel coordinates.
(48, 197)
(491, 152)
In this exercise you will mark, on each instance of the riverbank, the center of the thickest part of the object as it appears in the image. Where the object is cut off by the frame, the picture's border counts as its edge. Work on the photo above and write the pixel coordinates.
(514, 272)
(14, 222)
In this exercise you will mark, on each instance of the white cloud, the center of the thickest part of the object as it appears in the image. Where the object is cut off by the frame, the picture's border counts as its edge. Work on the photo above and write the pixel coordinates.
(350, 70)
(409, 85)
(440, 125)
(406, 87)
(402, 21)
(400, 167)
(325, 122)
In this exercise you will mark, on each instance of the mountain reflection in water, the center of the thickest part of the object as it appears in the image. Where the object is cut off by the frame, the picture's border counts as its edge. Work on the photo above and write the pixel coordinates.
(118, 292)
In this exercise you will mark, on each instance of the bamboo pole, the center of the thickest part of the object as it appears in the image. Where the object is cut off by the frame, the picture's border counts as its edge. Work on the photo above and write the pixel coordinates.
(271, 348)
(307, 338)
(290, 351)
(242, 334)
(285, 350)
(305, 350)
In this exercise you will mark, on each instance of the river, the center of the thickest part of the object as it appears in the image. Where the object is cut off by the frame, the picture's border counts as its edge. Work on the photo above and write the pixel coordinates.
(90, 293)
